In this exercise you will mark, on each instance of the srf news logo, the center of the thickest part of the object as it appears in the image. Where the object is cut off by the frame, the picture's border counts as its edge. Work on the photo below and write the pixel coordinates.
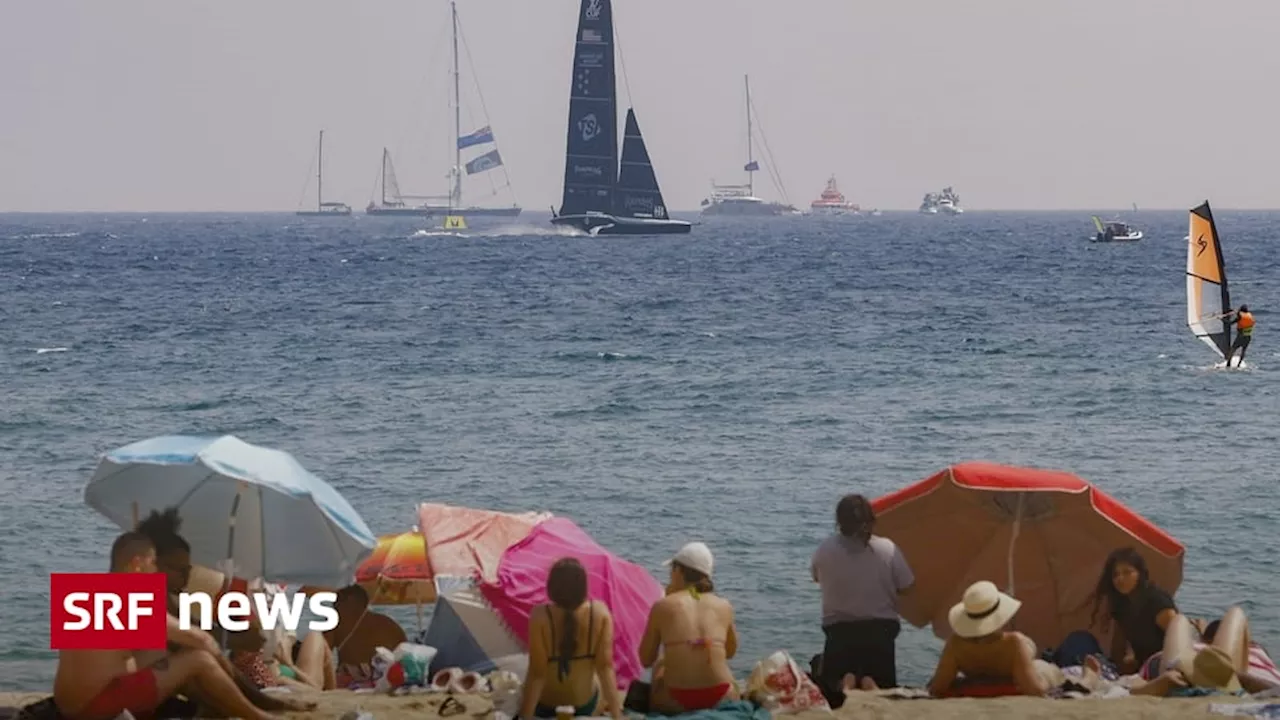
(107, 611)
(127, 611)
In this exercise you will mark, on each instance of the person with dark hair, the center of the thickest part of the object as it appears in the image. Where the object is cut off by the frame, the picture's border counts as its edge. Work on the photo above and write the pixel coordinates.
(1138, 611)
(173, 558)
(861, 575)
(102, 684)
(173, 554)
(570, 650)
(358, 635)
(694, 630)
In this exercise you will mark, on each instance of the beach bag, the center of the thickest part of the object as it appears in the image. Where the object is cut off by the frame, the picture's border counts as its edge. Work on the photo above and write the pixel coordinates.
(779, 684)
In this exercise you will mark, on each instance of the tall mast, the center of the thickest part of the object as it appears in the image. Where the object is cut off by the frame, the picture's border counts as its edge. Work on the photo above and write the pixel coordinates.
(456, 195)
(384, 176)
(746, 81)
(320, 174)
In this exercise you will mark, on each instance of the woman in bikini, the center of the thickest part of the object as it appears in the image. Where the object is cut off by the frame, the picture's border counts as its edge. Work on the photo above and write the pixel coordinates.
(311, 669)
(694, 630)
(570, 650)
(981, 651)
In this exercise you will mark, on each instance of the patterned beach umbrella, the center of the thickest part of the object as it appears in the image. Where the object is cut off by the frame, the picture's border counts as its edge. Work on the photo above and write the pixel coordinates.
(449, 541)
(397, 573)
(1043, 535)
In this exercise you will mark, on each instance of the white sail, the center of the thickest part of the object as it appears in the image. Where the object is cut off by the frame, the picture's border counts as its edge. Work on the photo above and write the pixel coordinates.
(1207, 294)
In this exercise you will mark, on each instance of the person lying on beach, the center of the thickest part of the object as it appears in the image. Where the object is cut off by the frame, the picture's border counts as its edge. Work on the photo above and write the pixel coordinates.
(359, 634)
(570, 650)
(694, 629)
(1138, 611)
(1223, 658)
(248, 657)
(173, 558)
(981, 651)
(101, 684)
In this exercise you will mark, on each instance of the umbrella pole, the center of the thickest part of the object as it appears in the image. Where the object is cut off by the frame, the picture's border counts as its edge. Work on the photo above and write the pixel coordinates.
(1013, 539)
(231, 544)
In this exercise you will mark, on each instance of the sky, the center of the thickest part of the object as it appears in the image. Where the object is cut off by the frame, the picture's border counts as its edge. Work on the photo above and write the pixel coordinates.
(195, 105)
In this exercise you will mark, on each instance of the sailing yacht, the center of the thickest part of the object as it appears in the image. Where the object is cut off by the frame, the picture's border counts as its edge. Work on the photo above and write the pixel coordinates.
(324, 209)
(741, 200)
(601, 195)
(393, 202)
(1208, 297)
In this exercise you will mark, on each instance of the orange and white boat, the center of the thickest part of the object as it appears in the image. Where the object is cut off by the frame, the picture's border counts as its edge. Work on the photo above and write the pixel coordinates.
(833, 202)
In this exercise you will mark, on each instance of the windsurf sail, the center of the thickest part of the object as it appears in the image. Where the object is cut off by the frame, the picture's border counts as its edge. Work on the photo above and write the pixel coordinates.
(1207, 296)
(638, 194)
(1097, 221)
(591, 148)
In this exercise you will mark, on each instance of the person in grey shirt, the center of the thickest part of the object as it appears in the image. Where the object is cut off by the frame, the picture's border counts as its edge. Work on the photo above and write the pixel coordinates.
(861, 576)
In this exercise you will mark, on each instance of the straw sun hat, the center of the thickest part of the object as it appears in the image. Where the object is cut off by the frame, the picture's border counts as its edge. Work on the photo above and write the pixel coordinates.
(983, 610)
(1210, 668)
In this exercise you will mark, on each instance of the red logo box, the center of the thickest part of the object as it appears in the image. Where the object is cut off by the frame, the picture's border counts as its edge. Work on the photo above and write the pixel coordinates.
(107, 611)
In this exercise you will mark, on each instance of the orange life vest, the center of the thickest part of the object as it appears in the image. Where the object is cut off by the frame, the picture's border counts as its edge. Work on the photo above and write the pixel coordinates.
(1245, 323)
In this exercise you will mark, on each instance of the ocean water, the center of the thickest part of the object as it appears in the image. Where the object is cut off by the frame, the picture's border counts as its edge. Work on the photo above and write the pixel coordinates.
(727, 386)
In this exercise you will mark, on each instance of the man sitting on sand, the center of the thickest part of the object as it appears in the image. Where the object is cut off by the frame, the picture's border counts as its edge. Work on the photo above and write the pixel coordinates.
(358, 634)
(173, 558)
(983, 652)
(101, 684)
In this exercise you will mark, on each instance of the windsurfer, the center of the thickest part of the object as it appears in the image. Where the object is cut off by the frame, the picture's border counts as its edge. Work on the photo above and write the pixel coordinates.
(1243, 320)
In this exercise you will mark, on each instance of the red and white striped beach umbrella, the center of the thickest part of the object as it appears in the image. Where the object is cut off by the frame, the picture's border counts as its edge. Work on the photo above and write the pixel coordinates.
(1043, 535)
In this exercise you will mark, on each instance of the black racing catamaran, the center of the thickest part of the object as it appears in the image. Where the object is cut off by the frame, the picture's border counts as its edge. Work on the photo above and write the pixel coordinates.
(600, 197)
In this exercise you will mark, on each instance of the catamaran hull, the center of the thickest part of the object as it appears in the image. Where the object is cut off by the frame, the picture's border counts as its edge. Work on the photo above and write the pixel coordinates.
(473, 212)
(1134, 237)
(595, 224)
(323, 213)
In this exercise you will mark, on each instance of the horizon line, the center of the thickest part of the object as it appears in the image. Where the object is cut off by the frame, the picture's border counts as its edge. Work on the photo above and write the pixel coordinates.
(673, 212)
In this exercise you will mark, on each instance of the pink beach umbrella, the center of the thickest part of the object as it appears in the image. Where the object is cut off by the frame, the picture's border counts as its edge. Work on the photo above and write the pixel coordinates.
(627, 589)
(1042, 535)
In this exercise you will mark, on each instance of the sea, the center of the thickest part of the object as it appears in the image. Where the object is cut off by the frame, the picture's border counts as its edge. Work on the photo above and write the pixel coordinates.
(725, 386)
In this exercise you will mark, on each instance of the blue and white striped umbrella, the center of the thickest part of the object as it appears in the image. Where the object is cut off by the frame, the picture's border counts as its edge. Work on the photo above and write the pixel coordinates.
(254, 506)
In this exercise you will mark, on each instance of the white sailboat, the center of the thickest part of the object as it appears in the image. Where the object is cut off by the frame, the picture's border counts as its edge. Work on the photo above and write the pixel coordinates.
(741, 200)
(393, 202)
(324, 209)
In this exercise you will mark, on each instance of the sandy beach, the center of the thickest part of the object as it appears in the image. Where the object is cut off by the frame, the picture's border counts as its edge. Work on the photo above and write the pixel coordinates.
(860, 705)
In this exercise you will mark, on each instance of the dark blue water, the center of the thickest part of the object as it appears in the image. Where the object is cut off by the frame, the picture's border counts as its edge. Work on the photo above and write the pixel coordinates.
(726, 386)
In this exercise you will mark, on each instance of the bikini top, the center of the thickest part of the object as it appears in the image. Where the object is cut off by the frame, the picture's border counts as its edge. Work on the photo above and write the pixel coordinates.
(563, 662)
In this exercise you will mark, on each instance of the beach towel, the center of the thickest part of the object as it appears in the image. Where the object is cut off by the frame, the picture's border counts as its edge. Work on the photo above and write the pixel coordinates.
(1257, 710)
(727, 710)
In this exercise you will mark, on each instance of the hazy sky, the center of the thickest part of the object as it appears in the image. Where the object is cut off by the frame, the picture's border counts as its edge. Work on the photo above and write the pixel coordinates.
(1020, 104)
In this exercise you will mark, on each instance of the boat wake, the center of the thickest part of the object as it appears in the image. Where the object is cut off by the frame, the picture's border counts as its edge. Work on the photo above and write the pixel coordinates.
(504, 231)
